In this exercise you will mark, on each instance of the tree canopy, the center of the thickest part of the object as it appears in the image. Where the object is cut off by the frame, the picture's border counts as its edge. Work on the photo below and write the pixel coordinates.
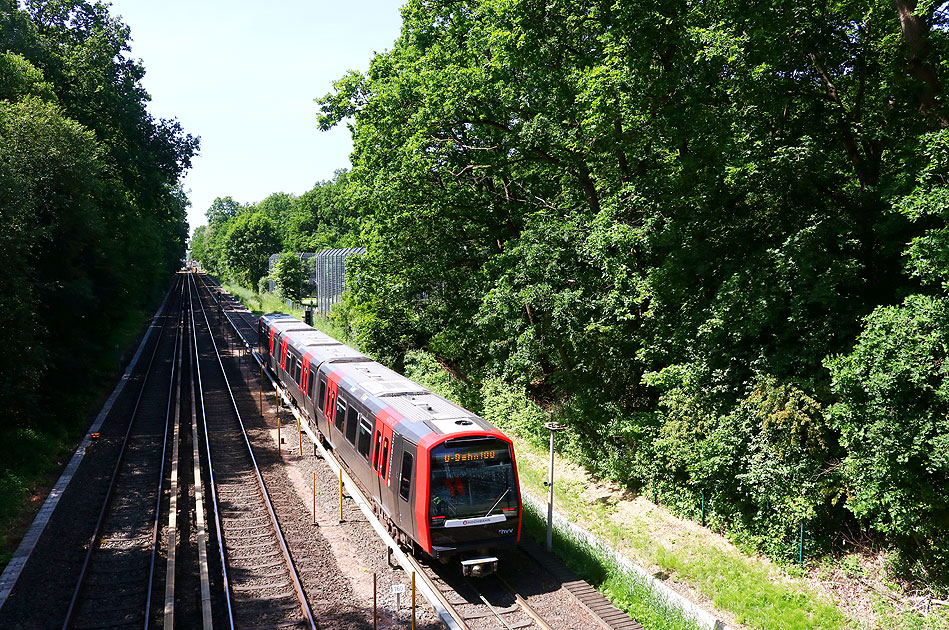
(692, 221)
(324, 217)
(93, 215)
(93, 223)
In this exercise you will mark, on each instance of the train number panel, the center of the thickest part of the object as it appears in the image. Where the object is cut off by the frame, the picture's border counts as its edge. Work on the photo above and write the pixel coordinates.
(443, 480)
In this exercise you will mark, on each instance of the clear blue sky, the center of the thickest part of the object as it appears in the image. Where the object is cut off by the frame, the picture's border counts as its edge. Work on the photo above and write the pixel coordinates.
(243, 76)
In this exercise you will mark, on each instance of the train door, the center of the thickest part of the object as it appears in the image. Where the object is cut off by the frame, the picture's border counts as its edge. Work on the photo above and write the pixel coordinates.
(405, 488)
(322, 412)
(310, 404)
(330, 407)
(270, 352)
(283, 354)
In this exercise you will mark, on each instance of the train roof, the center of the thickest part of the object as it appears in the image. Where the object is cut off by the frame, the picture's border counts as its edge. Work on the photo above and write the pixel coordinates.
(309, 341)
(422, 411)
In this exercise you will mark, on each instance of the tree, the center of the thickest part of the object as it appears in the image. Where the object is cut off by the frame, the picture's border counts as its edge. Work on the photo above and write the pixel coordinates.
(94, 218)
(289, 275)
(248, 244)
(893, 418)
(325, 217)
(667, 216)
(279, 208)
(222, 210)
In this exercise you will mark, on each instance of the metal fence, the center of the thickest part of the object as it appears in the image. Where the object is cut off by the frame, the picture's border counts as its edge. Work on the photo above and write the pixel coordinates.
(326, 272)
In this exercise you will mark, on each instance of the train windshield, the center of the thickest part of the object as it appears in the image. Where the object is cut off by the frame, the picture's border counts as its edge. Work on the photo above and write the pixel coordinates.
(472, 478)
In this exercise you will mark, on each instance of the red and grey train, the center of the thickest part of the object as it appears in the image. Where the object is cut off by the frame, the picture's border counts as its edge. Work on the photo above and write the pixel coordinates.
(442, 479)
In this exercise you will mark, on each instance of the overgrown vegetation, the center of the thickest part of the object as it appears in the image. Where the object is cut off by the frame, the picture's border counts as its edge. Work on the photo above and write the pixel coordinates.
(710, 237)
(93, 222)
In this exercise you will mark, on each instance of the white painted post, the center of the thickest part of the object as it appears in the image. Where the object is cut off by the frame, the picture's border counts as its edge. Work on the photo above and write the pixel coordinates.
(553, 427)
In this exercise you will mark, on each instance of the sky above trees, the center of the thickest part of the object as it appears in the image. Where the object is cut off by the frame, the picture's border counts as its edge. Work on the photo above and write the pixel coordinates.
(244, 79)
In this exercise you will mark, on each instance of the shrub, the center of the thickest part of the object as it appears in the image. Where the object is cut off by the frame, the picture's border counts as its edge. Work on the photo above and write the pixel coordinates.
(893, 418)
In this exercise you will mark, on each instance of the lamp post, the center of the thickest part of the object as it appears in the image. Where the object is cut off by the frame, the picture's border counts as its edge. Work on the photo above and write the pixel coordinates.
(553, 427)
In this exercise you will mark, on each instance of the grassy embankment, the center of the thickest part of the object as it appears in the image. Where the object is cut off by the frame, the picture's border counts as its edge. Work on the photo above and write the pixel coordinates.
(260, 304)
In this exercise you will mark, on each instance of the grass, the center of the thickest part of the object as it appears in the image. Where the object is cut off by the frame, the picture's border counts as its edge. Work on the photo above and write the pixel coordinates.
(260, 304)
(753, 594)
(628, 592)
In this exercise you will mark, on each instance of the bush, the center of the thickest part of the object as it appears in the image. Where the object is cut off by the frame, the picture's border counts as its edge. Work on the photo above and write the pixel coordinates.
(288, 276)
(893, 418)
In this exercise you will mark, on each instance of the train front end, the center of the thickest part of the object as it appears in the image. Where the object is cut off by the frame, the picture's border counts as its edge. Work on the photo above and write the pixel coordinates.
(474, 503)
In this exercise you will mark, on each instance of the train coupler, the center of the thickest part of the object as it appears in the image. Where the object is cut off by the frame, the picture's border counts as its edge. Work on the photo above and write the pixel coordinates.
(479, 567)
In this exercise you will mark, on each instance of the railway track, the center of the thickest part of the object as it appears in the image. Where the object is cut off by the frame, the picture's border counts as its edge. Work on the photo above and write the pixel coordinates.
(117, 577)
(482, 603)
(152, 534)
(489, 603)
(260, 579)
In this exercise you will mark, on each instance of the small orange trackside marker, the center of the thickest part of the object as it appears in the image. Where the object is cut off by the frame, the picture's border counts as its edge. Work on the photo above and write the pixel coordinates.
(94, 436)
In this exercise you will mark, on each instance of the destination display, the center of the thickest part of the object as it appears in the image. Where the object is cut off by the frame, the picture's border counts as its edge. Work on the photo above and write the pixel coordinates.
(471, 456)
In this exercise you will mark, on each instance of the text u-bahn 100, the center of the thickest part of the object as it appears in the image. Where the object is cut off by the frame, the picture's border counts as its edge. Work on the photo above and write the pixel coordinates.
(442, 479)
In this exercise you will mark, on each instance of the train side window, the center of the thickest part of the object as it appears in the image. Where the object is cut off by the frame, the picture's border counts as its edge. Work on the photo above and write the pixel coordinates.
(309, 384)
(322, 400)
(365, 438)
(340, 413)
(297, 371)
(351, 425)
(375, 454)
(384, 471)
(405, 483)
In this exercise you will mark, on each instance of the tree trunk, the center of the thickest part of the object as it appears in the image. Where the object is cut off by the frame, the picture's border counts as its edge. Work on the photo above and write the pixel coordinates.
(915, 32)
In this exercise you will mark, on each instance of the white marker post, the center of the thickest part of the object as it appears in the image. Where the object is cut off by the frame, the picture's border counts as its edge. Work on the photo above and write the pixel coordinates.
(553, 427)
(398, 590)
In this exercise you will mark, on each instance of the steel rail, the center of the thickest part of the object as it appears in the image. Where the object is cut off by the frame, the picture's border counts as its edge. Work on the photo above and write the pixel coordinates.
(207, 620)
(445, 611)
(168, 610)
(524, 605)
(212, 483)
(297, 585)
(106, 504)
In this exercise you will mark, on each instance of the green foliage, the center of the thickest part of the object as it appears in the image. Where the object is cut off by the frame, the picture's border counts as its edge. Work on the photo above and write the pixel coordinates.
(893, 419)
(423, 368)
(93, 217)
(288, 276)
(222, 210)
(928, 204)
(248, 244)
(322, 218)
(657, 222)
(512, 410)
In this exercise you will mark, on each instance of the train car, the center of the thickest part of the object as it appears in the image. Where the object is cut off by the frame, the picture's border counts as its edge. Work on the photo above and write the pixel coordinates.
(442, 479)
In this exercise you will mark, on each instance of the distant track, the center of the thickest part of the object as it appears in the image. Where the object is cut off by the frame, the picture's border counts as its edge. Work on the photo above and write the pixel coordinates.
(115, 580)
(262, 586)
